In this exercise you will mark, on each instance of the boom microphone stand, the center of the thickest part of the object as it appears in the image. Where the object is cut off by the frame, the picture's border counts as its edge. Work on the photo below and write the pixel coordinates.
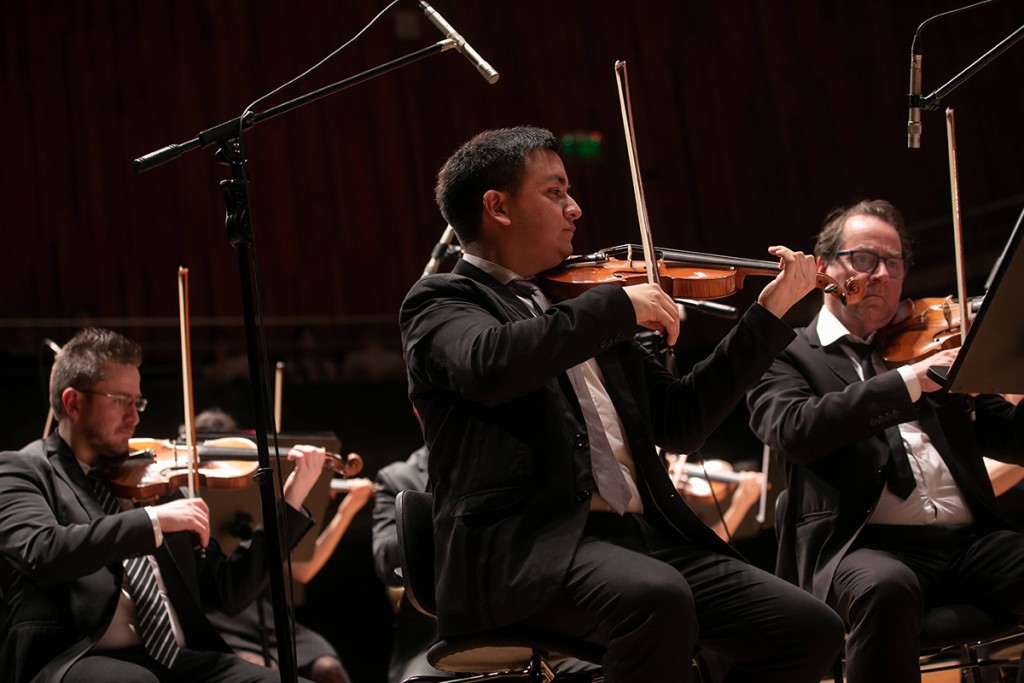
(227, 138)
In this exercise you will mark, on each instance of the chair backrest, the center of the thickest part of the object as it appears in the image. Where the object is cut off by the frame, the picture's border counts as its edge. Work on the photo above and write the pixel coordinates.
(414, 515)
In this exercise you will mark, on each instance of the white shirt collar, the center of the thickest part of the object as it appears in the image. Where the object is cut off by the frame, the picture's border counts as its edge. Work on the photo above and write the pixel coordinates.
(830, 329)
(499, 273)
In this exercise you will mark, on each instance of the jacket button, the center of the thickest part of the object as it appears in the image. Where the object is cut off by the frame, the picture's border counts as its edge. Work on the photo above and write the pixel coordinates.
(583, 495)
(580, 441)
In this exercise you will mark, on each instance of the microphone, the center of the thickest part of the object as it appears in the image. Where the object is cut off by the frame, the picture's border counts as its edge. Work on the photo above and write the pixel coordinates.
(442, 249)
(485, 69)
(914, 101)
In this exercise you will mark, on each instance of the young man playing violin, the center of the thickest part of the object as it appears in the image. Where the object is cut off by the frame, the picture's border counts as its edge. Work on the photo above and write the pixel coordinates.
(551, 505)
(97, 590)
(889, 508)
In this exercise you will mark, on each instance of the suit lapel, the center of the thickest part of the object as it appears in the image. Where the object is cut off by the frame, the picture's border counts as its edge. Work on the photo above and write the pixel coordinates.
(70, 472)
(836, 360)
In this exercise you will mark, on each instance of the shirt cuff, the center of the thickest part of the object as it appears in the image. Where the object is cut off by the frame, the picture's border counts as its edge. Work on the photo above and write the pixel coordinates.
(911, 381)
(157, 534)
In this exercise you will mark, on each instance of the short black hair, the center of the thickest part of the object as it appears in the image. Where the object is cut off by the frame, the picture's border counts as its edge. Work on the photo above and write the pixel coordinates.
(492, 160)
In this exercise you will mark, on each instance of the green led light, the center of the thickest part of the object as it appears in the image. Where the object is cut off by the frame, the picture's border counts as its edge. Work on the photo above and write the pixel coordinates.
(582, 145)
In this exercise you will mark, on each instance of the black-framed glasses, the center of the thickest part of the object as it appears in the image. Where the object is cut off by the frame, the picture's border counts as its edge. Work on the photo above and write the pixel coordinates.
(864, 261)
(125, 402)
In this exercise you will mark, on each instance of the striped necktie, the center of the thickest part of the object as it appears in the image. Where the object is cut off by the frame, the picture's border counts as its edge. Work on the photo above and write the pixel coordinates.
(153, 618)
(608, 477)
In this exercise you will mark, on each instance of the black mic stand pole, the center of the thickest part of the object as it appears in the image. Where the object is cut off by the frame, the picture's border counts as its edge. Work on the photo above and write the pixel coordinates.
(239, 227)
(931, 102)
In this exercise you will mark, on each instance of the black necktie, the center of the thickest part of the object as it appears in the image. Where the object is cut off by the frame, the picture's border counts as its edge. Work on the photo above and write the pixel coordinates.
(899, 475)
(154, 620)
(607, 472)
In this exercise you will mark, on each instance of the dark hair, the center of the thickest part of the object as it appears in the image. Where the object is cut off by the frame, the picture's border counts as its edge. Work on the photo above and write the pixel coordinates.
(491, 160)
(82, 362)
(831, 234)
(214, 420)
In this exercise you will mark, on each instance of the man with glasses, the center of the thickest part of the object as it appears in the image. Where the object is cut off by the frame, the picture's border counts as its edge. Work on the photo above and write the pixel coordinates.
(94, 589)
(889, 508)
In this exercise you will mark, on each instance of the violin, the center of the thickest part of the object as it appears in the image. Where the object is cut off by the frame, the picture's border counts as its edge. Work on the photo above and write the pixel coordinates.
(155, 468)
(682, 274)
(933, 324)
(714, 480)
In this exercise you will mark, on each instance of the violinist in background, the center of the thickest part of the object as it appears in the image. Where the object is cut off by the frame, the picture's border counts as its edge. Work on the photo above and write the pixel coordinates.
(890, 509)
(742, 489)
(95, 589)
(247, 631)
(552, 507)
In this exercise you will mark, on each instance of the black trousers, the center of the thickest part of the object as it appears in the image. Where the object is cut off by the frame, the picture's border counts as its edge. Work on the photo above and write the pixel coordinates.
(134, 666)
(651, 601)
(893, 573)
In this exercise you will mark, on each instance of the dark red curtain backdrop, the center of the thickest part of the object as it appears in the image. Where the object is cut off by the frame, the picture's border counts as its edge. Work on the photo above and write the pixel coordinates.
(753, 119)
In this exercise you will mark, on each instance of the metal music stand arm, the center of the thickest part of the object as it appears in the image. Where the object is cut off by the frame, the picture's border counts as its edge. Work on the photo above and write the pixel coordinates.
(931, 102)
(218, 134)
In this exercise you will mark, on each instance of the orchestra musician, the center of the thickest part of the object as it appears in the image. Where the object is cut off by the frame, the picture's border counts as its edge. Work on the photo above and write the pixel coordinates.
(97, 590)
(890, 509)
(251, 633)
(742, 489)
(526, 531)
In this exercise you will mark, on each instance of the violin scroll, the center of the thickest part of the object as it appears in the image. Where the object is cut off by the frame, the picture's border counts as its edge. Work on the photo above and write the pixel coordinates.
(347, 466)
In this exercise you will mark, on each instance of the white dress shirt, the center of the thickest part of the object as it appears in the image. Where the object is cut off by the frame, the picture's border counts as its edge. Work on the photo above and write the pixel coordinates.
(936, 500)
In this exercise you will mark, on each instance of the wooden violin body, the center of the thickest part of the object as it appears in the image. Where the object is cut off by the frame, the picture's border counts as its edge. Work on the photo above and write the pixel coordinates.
(157, 467)
(682, 274)
(934, 324)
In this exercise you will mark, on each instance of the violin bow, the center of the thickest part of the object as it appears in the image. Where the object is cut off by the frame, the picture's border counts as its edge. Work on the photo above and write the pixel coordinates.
(186, 380)
(762, 503)
(650, 257)
(49, 413)
(958, 238)
(278, 390)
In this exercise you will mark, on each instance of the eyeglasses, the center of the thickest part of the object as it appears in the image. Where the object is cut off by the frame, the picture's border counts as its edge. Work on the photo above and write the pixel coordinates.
(867, 262)
(125, 402)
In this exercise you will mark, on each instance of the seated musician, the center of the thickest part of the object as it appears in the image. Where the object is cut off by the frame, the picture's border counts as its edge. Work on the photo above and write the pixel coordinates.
(98, 590)
(551, 505)
(738, 493)
(251, 632)
(890, 509)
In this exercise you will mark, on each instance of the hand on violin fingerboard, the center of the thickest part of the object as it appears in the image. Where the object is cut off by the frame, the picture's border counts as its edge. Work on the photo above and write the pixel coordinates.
(187, 514)
(309, 465)
(655, 310)
(797, 279)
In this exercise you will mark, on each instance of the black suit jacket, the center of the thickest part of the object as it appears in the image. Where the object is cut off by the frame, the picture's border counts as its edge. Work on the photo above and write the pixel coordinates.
(829, 427)
(509, 454)
(61, 568)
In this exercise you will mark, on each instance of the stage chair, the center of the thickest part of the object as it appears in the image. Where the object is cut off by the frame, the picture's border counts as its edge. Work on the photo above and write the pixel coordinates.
(954, 631)
(511, 652)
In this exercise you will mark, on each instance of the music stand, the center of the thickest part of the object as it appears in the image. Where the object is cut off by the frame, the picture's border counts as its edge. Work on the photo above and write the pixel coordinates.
(990, 361)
